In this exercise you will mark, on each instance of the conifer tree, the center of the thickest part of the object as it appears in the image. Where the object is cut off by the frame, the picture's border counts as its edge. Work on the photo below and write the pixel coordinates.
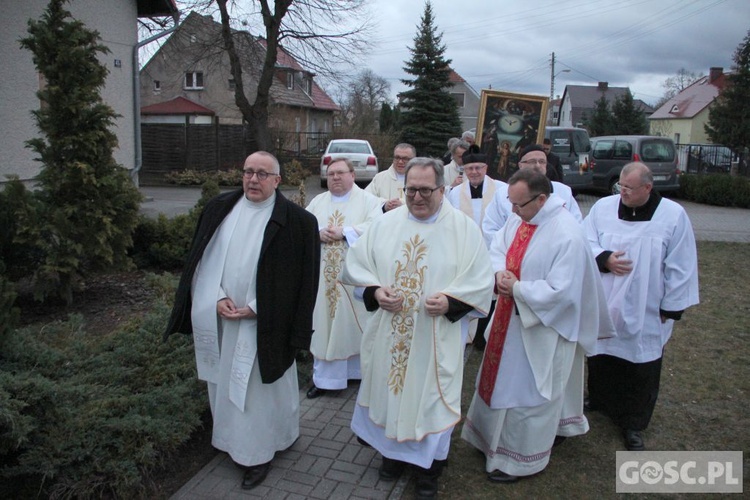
(89, 206)
(627, 119)
(600, 122)
(430, 114)
(729, 115)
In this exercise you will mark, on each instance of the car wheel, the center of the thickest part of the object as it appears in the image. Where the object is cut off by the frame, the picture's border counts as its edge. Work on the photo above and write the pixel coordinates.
(613, 187)
(324, 183)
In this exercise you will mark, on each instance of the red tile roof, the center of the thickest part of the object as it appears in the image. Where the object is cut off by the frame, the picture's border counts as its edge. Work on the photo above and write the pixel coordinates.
(693, 99)
(456, 78)
(177, 106)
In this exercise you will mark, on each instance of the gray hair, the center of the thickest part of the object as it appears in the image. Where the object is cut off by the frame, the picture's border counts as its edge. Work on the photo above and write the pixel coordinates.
(433, 163)
(644, 173)
(405, 145)
(276, 165)
(452, 141)
(460, 144)
(467, 135)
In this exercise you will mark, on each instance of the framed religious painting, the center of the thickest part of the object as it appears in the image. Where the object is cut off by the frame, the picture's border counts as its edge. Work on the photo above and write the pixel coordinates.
(508, 122)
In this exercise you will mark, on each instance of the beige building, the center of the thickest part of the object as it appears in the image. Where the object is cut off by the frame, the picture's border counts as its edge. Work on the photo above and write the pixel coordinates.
(682, 117)
(191, 65)
(116, 21)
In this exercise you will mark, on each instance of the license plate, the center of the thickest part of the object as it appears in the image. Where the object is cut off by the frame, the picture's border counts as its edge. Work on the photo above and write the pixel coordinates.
(661, 177)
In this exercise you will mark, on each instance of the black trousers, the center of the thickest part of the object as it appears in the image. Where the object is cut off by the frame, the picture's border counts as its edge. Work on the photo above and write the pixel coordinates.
(479, 340)
(624, 390)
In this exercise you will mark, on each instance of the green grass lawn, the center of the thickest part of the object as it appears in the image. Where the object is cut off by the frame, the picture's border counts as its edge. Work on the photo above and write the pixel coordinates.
(702, 403)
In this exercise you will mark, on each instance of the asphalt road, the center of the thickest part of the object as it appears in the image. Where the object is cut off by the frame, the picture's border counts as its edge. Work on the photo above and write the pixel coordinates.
(709, 223)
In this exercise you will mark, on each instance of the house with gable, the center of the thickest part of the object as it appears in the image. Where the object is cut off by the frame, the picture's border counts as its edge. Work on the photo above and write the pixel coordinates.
(467, 100)
(117, 23)
(682, 117)
(191, 73)
(579, 101)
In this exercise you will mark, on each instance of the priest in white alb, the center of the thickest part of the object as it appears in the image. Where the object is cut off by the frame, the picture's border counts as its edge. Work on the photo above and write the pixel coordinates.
(645, 248)
(343, 214)
(422, 270)
(388, 185)
(550, 311)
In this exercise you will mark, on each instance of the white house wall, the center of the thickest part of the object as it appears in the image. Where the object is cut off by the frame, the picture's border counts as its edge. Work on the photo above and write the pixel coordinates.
(116, 22)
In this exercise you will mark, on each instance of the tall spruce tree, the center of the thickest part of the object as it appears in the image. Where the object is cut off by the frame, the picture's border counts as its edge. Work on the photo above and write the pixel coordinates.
(430, 114)
(627, 118)
(729, 115)
(600, 121)
(88, 205)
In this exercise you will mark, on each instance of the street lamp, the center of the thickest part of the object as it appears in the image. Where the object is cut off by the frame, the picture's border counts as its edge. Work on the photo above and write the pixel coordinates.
(552, 83)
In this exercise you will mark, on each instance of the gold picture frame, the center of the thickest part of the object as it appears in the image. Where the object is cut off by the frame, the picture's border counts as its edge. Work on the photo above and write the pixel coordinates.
(507, 123)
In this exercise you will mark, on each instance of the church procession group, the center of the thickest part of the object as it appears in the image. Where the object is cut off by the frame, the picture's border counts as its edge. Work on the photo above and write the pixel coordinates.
(387, 285)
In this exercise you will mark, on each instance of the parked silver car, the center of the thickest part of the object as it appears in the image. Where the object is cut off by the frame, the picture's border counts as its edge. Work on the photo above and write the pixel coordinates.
(358, 151)
(610, 153)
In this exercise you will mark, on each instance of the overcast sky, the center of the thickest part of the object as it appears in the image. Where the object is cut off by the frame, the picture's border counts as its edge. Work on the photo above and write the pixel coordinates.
(507, 44)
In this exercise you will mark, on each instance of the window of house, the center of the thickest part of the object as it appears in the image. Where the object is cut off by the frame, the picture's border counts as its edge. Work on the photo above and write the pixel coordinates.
(290, 80)
(308, 85)
(194, 80)
(157, 85)
(231, 83)
(459, 97)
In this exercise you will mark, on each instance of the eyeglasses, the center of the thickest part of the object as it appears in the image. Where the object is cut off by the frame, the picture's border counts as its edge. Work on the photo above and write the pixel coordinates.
(620, 188)
(423, 192)
(538, 161)
(262, 174)
(401, 158)
(476, 168)
(338, 173)
(520, 206)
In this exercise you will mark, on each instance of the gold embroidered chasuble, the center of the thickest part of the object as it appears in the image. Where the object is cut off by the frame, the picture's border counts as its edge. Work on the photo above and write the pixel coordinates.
(337, 317)
(412, 363)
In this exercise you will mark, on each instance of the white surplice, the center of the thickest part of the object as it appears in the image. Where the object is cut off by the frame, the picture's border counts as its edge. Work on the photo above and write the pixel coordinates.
(412, 363)
(387, 185)
(338, 316)
(499, 210)
(664, 275)
(561, 312)
(251, 420)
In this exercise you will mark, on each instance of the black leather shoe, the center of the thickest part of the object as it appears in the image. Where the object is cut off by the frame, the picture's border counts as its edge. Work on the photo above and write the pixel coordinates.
(633, 440)
(559, 440)
(363, 442)
(427, 486)
(255, 475)
(314, 392)
(587, 406)
(498, 476)
(390, 469)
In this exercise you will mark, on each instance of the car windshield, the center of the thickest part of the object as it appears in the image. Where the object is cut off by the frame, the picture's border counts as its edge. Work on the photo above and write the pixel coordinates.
(349, 147)
(657, 151)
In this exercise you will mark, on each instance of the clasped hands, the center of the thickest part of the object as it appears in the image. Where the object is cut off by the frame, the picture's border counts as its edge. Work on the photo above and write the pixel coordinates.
(392, 301)
(330, 234)
(227, 310)
(504, 281)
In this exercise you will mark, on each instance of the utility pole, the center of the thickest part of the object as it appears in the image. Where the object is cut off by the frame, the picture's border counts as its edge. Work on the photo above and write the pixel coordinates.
(552, 78)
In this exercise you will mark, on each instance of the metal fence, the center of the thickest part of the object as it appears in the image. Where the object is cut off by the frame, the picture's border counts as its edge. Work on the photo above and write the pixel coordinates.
(710, 159)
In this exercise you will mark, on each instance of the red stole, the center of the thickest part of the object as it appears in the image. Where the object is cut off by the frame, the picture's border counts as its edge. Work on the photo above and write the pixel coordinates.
(503, 310)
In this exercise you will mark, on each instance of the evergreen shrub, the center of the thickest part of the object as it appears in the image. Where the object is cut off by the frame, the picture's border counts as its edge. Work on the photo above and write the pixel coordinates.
(89, 417)
(721, 190)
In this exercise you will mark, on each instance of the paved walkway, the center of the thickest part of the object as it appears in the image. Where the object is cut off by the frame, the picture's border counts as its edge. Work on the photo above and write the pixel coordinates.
(326, 462)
